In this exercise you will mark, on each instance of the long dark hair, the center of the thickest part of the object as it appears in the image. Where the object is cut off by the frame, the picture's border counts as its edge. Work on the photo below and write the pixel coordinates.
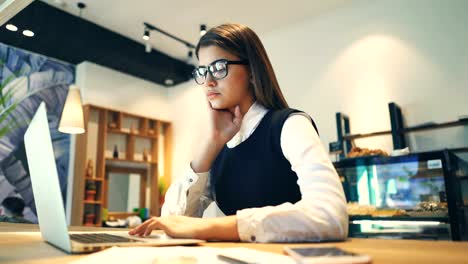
(242, 41)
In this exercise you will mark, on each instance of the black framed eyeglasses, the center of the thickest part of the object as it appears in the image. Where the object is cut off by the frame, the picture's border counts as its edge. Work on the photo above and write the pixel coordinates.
(218, 70)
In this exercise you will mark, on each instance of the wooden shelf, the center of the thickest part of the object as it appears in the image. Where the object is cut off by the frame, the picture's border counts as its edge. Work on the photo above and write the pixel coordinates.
(94, 179)
(91, 202)
(432, 125)
(130, 161)
(462, 149)
(96, 225)
(128, 164)
(122, 215)
(422, 127)
(105, 129)
(118, 131)
(372, 134)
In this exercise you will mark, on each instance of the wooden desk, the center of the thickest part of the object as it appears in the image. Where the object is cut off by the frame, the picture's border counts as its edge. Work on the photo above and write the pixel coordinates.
(22, 247)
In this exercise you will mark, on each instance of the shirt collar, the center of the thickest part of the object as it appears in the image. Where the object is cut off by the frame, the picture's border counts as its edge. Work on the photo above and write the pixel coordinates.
(250, 121)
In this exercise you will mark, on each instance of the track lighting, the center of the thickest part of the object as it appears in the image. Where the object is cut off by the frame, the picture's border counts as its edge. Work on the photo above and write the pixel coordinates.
(149, 27)
(202, 29)
(146, 35)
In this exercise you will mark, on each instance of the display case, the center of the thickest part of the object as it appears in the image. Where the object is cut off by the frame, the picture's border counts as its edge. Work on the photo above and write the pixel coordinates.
(416, 196)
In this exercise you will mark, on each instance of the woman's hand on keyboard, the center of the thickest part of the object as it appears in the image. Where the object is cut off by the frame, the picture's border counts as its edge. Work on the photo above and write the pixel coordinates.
(224, 228)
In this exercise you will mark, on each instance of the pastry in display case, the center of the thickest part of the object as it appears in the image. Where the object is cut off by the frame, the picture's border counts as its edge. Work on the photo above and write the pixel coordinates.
(415, 196)
(361, 152)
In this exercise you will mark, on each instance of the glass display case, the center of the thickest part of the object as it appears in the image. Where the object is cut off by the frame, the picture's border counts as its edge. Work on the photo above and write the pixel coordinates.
(416, 196)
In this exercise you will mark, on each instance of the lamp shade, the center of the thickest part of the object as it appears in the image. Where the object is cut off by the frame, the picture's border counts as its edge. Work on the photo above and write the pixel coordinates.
(72, 116)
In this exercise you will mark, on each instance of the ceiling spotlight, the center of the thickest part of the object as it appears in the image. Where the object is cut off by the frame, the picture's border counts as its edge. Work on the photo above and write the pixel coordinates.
(28, 33)
(148, 47)
(81, 6)
(189, 57)
(146, 35)
(11, 27)
(168, 82)
(202, 29)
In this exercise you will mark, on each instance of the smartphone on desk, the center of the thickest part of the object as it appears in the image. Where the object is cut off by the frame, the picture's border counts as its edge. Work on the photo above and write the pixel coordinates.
(325, 255)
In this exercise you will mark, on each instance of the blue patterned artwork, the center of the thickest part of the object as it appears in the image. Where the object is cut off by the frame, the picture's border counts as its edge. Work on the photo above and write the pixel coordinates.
(26, 80)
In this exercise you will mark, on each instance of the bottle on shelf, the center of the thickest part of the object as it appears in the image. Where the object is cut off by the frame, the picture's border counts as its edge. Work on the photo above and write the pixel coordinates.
(90, 169)
(116, 152)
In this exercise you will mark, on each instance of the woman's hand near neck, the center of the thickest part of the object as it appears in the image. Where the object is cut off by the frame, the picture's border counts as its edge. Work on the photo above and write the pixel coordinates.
(224, 124)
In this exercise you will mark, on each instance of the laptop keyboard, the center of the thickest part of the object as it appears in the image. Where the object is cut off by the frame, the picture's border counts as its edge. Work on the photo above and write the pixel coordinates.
(96, 238)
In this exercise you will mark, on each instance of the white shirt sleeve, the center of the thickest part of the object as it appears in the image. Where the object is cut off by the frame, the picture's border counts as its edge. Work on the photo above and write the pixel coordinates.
(321, 212)
(189, 195)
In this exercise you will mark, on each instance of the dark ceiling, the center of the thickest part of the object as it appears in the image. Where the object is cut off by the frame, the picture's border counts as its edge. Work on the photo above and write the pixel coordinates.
(72, 39)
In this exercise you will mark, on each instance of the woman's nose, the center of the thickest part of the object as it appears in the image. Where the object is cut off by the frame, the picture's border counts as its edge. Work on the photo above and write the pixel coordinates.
(209, 81)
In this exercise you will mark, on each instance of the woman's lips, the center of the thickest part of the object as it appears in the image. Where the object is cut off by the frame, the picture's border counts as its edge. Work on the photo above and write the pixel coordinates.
(212, 94)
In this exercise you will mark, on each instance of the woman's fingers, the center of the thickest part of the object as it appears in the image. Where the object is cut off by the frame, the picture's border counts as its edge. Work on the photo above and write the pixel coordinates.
(141, 229)
(157, 223)
(174, 226)
(137, 229)
(150, 227)
(237, 116)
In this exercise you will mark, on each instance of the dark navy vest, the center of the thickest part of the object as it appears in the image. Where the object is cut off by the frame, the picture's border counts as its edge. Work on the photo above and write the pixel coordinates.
(255, 173)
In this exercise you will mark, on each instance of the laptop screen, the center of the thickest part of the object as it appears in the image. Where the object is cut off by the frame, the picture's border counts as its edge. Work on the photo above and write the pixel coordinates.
(45, 181)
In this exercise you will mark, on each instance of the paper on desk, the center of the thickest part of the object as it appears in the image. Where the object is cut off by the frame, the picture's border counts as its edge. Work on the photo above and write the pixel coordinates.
(180, 255)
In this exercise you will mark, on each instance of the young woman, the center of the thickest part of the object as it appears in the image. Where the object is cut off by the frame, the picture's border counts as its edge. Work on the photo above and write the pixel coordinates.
(262, 162)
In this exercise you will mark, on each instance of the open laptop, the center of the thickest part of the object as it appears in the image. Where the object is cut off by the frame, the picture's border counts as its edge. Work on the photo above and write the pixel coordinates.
(49, 204)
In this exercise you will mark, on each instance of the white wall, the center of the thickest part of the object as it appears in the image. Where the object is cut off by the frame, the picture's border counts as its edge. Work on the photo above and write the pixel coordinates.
(189, 118)
(134, 183)
(361, 57)
(356, 60)
(109, 88)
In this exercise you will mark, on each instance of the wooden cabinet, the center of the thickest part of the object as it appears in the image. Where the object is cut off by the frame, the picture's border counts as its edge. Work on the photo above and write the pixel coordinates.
(118, 142)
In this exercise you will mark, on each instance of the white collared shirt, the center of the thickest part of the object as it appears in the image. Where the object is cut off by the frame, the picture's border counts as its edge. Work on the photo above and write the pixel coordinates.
(319, 215)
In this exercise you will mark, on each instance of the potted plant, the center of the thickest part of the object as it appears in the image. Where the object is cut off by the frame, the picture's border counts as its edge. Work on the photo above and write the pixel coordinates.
(90, 191)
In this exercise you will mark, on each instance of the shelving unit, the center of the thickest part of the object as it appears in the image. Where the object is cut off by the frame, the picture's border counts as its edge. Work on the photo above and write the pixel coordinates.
(118, 142)
(398, 130)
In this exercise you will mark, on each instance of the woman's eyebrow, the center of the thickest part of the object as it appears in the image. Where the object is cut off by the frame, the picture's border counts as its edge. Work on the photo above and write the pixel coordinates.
(200, 65)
